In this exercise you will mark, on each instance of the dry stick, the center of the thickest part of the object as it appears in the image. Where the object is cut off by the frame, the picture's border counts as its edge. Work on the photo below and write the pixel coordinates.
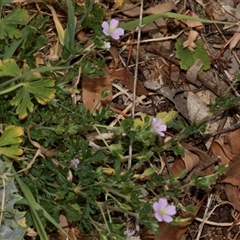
(134, 95)
(205, 216)
(135, 80)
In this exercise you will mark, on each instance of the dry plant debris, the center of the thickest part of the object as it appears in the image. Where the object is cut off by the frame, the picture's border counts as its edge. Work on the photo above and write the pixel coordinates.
(186, 66)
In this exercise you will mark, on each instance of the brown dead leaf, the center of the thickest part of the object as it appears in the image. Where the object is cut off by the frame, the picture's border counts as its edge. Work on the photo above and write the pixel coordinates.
(189, 43)
(232, 182)
(233, 140)
(221, 150)
(194, 24)
(130, 9)
(92, 89)
(235, 39)
(187, 163)
(115, 61)
(227, 147)
(161, 8)
(127, 79)
(204, 158)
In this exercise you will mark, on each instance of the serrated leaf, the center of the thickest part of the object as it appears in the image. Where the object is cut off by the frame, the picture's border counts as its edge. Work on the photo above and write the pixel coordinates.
(9, 141)
(11, 135)
(8, 24)
(12, 227)
(17, 16)
(187, 58)
(94, 17)
(167, 116)
(9, 68)
(42, 90)
(23, 103)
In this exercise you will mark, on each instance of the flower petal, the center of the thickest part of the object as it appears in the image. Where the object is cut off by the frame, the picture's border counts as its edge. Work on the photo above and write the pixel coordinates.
(163, 128)
(105, 27)
(114, 23)
(163, 203)
(156, 207)
(158, 217)
(167, 218)
(155, 122)
(117, 33)
(171, 210)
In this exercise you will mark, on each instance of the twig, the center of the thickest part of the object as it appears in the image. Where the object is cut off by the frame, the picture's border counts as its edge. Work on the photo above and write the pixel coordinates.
(134, 96)
(205, 216)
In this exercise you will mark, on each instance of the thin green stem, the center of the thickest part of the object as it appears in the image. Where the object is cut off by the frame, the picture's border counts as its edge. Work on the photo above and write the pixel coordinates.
(10, 89)
(104, 218)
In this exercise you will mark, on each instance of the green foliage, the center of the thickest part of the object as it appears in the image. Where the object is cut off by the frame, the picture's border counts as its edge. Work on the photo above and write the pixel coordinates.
(13, 223)
(8, 25)
(31, 83)
(187, 58)
(96, 194)
(9, 141)
(223, 103)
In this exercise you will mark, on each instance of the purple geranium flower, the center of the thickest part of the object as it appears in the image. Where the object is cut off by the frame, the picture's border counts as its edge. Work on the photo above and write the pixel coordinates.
(75, 162)
(164, 211)
(130, 233)
(112, 29)
(158, 127)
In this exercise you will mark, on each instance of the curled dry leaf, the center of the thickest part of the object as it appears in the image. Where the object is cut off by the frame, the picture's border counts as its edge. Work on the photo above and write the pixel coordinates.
(193, 157)
(92, 89)
(235, 39)
(161, 8)
(187, 163)
(227, 147)
(232, 182)
(189, 43)
(133, 10)
(194, 24)
(130, 9)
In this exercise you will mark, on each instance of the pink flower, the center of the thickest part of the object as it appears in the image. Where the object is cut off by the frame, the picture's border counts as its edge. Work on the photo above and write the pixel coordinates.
(163, 211)
(112, 30)
(75, 162)
(158, 127)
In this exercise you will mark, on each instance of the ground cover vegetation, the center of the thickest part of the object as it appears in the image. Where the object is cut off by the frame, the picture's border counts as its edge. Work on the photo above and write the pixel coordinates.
(119, 119)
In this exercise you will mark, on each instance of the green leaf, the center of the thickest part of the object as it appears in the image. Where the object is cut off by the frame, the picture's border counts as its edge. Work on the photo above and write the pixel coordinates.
(14, 226)
(71, 26)
(167, 116)
(5, 2)
(125, 206)
(17, 16)
(8, 24)
(149, 19)
(23, 103)
(32, 84)
(11, 136)
(149, 171)
(42, 90)
(187, 58)
(116, 150)
(9, 68)
(94, 17)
